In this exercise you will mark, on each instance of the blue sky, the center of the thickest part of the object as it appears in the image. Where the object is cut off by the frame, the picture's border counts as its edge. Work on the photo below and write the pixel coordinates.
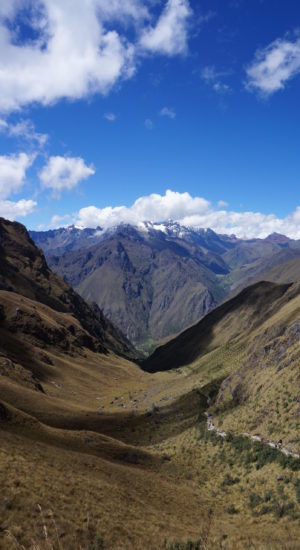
(107, 104)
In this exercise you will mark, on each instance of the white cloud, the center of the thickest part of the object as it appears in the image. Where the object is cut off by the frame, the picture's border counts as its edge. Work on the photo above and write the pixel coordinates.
(56, 220)
(193, 212)
(12, 178)
(153, 207)
(166, 111)
(122, 10)
(12, 173)
(149, 124)
(274, 66)
(14, 210)
(81, 46)
(80, 56)
(111, 117)
(24, 130)
(64, 173)
(169, 35)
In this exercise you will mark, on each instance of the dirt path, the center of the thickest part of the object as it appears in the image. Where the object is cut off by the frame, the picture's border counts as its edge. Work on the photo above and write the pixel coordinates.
(220, 433)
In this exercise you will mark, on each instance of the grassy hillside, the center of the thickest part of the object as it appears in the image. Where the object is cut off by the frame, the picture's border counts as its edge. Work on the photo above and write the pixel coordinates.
(262, 394)
(98, 454)
(252, 343)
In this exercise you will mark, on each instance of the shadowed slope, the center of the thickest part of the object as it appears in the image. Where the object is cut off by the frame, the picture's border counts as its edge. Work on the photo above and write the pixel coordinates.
(233, 318)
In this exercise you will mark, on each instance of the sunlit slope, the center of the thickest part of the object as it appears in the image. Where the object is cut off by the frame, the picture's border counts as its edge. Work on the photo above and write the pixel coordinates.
(262, 395)
(251, 345)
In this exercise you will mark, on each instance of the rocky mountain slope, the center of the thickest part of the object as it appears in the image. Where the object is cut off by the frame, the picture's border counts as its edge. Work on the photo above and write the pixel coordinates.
(286, 272)
(155, 280)
(23, 269)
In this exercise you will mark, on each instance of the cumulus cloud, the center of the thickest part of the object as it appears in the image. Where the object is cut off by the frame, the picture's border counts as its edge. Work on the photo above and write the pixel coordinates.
(73, 57)
(79, 48)
(13, 172)
(59, 221)
(169, 35)
(25, 131)
(64, 173)
(274, 66)
(192, 212)
(153, 207)
(166, 111)
(14, 210)
(12, 179)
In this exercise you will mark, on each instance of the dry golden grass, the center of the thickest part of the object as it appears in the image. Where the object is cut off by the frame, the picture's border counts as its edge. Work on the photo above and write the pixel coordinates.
(85, 466)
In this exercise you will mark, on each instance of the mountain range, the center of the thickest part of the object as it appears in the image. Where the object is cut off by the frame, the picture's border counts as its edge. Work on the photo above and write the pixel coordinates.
(155, 280)
(101, 448)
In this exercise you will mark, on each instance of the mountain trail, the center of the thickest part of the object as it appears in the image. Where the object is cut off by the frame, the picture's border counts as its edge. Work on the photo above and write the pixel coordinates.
(278, 446)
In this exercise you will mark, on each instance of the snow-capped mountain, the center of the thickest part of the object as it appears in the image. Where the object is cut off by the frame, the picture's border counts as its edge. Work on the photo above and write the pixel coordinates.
(154, 280)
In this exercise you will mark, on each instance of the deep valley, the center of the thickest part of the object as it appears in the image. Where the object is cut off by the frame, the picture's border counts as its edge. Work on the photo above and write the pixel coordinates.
(102, 448)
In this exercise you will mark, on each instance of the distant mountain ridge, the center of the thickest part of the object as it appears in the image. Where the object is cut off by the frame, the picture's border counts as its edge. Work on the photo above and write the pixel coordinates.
(154, 280)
